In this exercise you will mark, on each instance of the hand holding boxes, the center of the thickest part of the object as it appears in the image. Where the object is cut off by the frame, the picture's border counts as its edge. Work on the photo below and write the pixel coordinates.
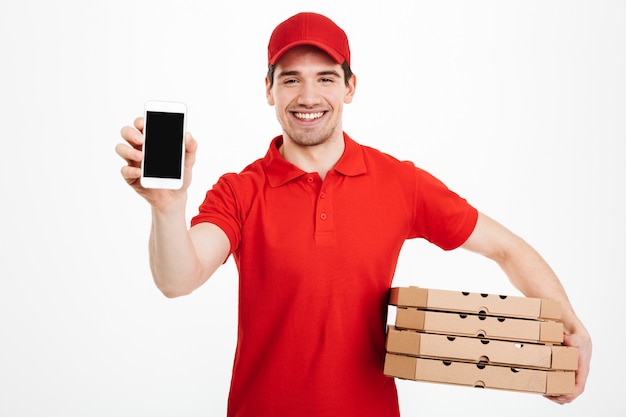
(480, 340)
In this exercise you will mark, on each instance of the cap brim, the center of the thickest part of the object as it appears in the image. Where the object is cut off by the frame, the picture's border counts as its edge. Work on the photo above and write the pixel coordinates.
(337, 57)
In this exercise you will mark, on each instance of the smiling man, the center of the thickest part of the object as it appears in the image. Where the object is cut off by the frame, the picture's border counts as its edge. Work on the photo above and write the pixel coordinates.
(316, 227)
(309, 92)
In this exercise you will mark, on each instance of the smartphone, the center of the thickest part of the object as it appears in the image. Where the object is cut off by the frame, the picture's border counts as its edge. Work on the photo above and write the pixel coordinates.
(164, 145)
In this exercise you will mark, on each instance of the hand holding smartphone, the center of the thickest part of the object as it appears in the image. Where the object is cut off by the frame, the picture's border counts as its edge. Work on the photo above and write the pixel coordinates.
(164, 145)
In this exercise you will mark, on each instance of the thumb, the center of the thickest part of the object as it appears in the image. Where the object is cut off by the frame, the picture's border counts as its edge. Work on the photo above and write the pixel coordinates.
(191, 146)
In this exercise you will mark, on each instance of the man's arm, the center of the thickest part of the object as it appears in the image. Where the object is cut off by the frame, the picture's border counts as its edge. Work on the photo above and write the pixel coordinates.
(530, 274)
(181, 259)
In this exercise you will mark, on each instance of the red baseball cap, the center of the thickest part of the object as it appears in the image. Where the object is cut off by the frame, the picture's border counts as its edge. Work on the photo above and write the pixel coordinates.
(309, 29)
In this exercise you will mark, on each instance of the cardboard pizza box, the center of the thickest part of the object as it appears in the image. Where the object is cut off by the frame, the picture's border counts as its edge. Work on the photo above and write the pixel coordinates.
(481, 376)
(469, 302)
(461, 324)
(470, 349)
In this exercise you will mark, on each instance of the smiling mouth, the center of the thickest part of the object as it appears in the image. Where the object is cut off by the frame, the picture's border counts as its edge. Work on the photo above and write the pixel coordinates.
(307, 117)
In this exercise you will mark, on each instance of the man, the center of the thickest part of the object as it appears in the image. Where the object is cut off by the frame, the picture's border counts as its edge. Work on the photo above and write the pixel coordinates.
(315, 228)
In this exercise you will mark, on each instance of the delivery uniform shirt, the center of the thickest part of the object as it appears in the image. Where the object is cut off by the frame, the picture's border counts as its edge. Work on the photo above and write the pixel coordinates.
(316, 260)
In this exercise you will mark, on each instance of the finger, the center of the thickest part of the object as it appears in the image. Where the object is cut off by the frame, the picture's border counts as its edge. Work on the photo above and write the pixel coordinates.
(131, 155)
(139, 123)
(191, 146)
(559, 399)
(131, 174)
(190, 143)
(583, 345)
(132, 136)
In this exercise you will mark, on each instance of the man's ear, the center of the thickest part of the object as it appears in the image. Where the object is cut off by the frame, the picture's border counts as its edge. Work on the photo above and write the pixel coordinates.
(350, 89)
(268, 92)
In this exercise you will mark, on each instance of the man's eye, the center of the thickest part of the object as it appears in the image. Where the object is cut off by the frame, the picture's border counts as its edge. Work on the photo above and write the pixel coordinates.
(290, 81)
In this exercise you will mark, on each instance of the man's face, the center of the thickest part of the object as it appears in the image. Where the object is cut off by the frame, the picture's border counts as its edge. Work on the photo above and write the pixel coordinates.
(309, 92)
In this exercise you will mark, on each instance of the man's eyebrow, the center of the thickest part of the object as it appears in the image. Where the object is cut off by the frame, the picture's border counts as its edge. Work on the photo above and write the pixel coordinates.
(288, 73)
(295, 73)
(329, 72)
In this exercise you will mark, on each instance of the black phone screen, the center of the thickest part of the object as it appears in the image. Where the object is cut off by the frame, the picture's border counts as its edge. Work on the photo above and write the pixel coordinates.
(163, 144)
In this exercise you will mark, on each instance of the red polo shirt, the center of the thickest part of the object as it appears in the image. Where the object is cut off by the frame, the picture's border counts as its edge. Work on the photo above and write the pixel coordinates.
(316, 260)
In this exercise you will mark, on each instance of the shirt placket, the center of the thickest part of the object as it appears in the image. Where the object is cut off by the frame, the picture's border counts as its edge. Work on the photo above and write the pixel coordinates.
(324, 216)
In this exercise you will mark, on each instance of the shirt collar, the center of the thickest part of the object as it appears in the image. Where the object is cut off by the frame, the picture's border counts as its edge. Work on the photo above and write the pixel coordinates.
(279, 171)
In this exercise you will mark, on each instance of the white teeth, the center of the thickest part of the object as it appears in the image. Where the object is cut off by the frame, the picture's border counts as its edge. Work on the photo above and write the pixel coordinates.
(308, 116)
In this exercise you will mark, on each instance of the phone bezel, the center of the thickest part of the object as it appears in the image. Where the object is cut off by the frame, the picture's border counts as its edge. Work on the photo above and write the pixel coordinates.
(159, 182)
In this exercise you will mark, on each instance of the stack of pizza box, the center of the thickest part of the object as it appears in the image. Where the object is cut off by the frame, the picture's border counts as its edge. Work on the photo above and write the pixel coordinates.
(479, 340)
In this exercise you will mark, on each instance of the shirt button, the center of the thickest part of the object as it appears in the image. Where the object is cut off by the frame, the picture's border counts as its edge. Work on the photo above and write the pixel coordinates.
(323, 216)
(322, 195)
(309, 179)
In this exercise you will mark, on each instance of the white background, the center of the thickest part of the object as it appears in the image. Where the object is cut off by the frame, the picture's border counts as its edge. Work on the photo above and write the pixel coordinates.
(517, 105)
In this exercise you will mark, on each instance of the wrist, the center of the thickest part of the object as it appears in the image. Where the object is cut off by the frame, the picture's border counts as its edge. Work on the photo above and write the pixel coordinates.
(172, 206)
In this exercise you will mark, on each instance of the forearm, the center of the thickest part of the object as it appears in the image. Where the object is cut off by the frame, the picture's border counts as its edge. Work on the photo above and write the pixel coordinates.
(524, 267)
(173, 261)
(529, 273)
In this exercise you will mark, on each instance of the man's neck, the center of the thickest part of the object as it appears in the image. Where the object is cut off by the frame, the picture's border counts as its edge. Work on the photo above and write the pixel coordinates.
(318, 158)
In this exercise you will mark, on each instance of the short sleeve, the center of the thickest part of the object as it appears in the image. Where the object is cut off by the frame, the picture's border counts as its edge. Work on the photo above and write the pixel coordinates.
(222, 208)
(442, 217)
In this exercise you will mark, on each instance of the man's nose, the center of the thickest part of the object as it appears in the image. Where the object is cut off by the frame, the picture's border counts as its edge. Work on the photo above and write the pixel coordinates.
(308, 94)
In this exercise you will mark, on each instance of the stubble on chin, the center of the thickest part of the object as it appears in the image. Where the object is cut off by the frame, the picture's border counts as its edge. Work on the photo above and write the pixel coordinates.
(312, 138)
